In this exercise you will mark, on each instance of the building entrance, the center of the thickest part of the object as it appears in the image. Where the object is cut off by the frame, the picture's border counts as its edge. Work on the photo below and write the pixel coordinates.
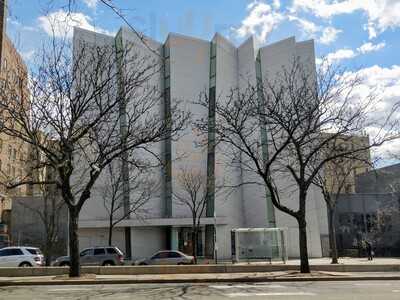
(185, 237)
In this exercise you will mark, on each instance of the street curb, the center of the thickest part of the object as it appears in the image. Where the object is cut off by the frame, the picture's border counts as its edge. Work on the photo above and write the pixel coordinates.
(194, 280)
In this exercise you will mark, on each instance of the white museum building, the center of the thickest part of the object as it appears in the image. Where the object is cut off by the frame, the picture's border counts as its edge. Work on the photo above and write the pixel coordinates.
(193, 66)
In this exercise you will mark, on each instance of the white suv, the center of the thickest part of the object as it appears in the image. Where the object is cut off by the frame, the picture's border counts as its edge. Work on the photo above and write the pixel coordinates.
(21, 257)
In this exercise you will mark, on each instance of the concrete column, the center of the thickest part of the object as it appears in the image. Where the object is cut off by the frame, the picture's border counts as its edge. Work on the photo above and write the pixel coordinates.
(175, 238)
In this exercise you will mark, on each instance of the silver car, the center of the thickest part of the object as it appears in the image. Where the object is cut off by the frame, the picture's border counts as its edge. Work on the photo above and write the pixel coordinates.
(97, 256)
(167, 257)
(21, 257)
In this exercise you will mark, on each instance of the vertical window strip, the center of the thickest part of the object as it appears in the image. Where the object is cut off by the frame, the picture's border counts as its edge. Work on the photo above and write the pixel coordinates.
(167, 142)
(264, 137)
(210, 208)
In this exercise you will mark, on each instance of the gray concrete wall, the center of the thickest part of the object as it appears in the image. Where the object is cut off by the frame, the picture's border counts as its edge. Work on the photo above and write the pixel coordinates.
(382, 180)
(362, 217)
(27, 227)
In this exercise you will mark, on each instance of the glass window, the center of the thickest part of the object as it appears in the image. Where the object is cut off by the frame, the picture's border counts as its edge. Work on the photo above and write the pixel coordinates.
(14, 154)
(99, 251)
(167, 68)
(174, 255)
(86, 252)
(111, 251)
(166, 51)
(33, 251)
(1, 144)
(9, 151)
(9, 252)
(213, 49)
(160, 255)
(167, 83)
(258, 70)
(213, 81)
(213, 67)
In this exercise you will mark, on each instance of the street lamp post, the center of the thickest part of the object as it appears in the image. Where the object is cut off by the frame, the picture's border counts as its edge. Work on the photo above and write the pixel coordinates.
(215, 239)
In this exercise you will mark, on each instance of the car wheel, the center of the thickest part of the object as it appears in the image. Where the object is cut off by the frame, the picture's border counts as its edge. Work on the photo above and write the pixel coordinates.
(181, 264)
(64, 264)
(142, 264)
(25, 265)
(108, 264)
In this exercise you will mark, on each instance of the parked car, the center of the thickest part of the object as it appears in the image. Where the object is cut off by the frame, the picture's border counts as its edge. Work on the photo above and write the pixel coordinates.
(21, 257)
(167, 257)
(96, 256)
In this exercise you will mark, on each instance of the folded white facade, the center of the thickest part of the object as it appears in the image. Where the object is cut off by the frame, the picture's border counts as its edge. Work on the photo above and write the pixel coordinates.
(191, 67)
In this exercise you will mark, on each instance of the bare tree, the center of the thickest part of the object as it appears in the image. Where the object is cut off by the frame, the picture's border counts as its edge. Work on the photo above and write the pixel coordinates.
(191, 192)
(333, 180)
(293, 114)
(141, 189)
(49, 210)
(99, 104)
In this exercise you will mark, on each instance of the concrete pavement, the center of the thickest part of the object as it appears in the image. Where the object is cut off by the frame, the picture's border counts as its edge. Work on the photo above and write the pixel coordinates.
(367, 290)
(284, 276)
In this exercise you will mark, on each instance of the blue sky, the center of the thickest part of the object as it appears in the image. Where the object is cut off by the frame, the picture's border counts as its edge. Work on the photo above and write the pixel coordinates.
(280, 19)
(362, 35)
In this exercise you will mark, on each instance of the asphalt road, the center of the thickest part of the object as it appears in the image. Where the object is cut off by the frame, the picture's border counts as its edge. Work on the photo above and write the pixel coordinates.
(353, 290)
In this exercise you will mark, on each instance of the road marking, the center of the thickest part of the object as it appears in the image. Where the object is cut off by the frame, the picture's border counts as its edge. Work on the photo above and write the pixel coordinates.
(68, 290)
(272, 286)
(223, 287)
(370, 284)
(233, 295)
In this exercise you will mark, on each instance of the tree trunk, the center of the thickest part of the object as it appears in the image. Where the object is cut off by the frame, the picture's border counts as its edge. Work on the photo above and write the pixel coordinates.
(110, 231)
(74, 270)
(194, 244)
(304, 264)
(332, 234)
(48, 253)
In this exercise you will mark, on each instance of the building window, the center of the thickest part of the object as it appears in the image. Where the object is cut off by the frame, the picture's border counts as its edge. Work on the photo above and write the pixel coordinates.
(5, 64)
(1, 145)
(0, 164)
(9, 152)
(14, 157)
(8, 170)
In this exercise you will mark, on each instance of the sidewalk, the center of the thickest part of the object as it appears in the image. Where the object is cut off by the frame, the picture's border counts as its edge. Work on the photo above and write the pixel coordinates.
(288, 276)
(318, 261)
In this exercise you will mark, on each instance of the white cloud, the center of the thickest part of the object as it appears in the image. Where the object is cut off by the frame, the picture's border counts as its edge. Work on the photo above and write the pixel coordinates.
(260, 21)
(385, 83)
(306, 26)
(323, 35)
(381, 14)
(276, 4)
(342, 54)
(329, 35)
(61, 24)
(369, 47)
(91, 3)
